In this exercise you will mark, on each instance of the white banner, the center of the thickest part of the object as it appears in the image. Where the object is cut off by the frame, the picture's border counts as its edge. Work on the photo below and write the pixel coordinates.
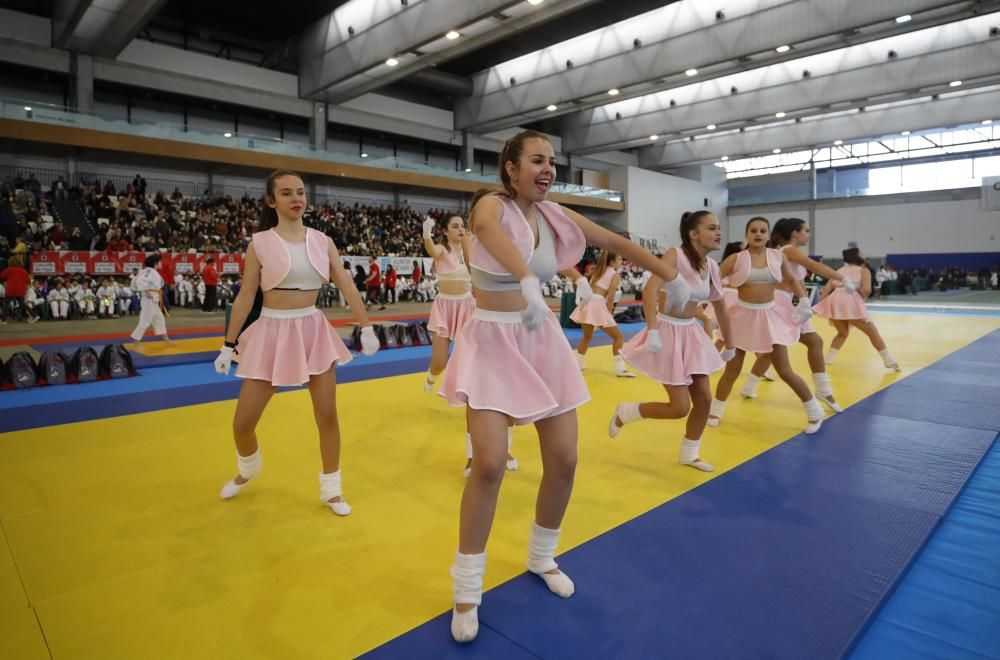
(991, 193)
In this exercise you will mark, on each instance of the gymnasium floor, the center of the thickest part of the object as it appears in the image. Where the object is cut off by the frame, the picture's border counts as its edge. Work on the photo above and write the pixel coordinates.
(117, 546)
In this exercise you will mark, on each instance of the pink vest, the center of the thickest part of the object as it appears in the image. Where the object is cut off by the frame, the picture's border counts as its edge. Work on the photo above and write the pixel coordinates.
(851, 272)
(568, 238)
(605, 281)
(799, 272)
(686, 270)
(448, 262)
(742, 268)
(275, 261)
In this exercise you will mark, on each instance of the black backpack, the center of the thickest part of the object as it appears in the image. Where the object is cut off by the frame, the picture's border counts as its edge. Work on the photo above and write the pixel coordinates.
(356, 338)
(53, 368)
(19, 372)
(416, 337)
(402, 334)
(115, 362)
(386, 338)
(84, 366)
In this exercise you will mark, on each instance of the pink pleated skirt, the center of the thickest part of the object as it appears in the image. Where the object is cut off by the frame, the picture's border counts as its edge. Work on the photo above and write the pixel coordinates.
(594, 312)
(758, 327)
(687, 351)
(499, 365)
(450, 313)
(842, 306)
(287, 346)
(783, 300)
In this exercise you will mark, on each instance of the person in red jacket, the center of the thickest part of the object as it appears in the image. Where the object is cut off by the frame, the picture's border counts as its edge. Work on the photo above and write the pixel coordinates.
(166, 271)
(210, 277)
(390, 284)
(15, 280)
(374, 283)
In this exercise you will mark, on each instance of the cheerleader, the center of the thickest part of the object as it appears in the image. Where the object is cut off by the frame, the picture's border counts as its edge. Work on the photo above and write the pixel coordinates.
(674, 349)
(790, 235)
(512, 360)
(844, 305)
(452, 309)
(148, 284)
(291, 343)
(596, 312)
(759, 325)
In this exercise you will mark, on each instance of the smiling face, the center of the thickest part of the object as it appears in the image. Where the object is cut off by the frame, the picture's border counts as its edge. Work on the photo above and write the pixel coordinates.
(534, 171)
(757, 233)
(288, 198)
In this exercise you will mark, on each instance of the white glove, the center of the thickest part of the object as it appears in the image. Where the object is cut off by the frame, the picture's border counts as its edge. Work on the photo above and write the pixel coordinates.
(224, 361)
(429, 227)
(804, 310)
(583, 291)
(848, 285)
(535, 311)
(653, 342)
(678, 294)
(369, 342)
(727, 354)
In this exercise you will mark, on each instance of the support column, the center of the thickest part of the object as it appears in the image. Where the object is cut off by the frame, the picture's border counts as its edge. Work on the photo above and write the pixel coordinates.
(317, 127)
(81, 81)
(468, 160)
(216, 184)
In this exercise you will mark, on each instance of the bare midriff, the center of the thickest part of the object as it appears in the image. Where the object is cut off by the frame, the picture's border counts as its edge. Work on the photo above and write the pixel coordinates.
(454, 287)
(276, 299)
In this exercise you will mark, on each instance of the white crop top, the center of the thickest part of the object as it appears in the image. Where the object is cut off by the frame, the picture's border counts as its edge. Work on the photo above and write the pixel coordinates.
(301, 275)
(760, 276)
(542, 264)
(701, 292)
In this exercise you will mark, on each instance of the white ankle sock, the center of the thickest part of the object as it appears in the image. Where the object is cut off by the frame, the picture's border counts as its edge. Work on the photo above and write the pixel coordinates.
(248, 467)
(888, 360)
(814, 413)
(512, 464)
(749, 389)
(330, 487)
(689, 455)
(626, 412)
(620, 369)
(824, 391)
(581, 359)
(830, 355)
(429, 382)
(468, 445)
(717, 410)
(467, 587)
(541, 550)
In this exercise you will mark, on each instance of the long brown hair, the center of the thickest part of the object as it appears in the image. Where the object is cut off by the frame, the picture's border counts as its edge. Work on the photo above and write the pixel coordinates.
(269, 216)
(602, 265)
(853, 256)
(442, 228)
(511, 152)
(689, 222)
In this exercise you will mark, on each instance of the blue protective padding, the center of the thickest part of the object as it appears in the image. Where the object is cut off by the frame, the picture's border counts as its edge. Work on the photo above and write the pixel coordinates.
(742, 567)
(948, 605)
(939, 260)
(488, 644)
(925, 405)
(915, 465)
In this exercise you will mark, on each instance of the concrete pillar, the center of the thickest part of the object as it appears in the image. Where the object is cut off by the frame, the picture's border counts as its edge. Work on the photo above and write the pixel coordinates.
(81, 80)
(467, 162)
(317, 127)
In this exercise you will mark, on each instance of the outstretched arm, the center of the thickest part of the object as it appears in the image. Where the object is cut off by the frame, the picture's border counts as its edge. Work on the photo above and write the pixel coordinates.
(601, 237)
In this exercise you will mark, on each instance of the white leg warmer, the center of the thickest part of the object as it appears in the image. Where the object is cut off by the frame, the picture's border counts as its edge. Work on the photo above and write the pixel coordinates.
(429, 382)
(815, 414)
(248, 467)
(831, 354)
(749, 389)
(689, 455)
(620, 369)
(625, 412)
(581, 359)
(467, 586)
(824, 392)
(888, 360)
(541, 553)
(468, 445)
(512, 464)
(330, 487)
(716, 410)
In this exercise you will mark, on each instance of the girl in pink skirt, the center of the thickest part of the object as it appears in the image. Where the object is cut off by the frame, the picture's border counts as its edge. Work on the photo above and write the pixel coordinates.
(512, 360)
(452, 308)
(673, 349)
(759, 325)
(845, 307)
(596, 312)
(790, 235)
(291, 343)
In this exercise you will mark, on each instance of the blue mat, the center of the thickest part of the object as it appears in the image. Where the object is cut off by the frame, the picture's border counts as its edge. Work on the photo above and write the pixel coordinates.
(948, 605)
(787, 556)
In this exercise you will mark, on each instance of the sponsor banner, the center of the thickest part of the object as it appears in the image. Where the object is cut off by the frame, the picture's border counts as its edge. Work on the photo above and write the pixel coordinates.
(229, 264)
(187, 263)
(45, 263)
(104, 263)
(132, 262)
(75, 262)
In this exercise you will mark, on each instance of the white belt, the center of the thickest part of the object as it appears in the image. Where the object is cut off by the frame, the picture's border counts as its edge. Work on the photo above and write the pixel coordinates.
(750, 305)
(676, 321)
(496, 317)
(453, 296)
(272, 313)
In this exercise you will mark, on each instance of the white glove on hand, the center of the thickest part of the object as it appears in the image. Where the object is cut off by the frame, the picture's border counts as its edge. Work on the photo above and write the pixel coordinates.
(653, 342)
(804, 310)
(535, 311)
(678, 294)
(429, 227)
(224, 361)
(369, 342)
(727, 354)
(848, 285)
(583, 291)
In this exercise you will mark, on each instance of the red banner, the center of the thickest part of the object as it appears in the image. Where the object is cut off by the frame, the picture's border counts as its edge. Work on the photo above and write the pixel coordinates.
(75, 263)
(132, 261)
(186, 263)
(230, 264)
(104, 263)
(45, 263)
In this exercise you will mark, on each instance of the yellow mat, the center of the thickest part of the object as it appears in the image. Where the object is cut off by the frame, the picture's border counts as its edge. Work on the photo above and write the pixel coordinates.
(125, 550)
(195, 345)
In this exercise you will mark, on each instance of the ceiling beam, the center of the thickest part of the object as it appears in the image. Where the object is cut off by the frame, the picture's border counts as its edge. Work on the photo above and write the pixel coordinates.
(100, 27)
(950, 110)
